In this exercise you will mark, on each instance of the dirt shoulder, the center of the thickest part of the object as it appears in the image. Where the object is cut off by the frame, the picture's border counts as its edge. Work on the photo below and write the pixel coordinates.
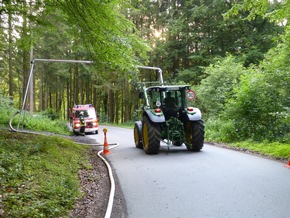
(95, 183)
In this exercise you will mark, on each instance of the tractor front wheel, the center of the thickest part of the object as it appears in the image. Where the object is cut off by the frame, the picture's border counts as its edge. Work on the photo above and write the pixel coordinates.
(151, 136)
(194, 135)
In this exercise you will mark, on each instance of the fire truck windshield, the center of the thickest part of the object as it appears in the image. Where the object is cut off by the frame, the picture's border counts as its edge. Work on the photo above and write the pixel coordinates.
(86, 114)
(91, 114)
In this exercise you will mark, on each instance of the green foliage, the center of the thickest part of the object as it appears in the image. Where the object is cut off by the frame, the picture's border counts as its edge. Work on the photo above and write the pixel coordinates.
(220, 130)
(194, 33)
(51, 114)
(190, 76)
(6, 109)
(39, 122)
(106, 33)
(260, 107)
(254, 111)
(43, 123)
(36, 122)
(223, 76)
(245, 104)
(276, 10)
(276, 70)
(254, 102)
(39, 174)
(273, 149)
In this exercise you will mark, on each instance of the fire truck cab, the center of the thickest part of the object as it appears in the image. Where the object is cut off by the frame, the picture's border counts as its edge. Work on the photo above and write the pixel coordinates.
(91, 119)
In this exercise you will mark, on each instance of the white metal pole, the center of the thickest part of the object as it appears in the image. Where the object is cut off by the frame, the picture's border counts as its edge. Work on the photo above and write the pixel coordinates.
(154, 68)
(25, 95)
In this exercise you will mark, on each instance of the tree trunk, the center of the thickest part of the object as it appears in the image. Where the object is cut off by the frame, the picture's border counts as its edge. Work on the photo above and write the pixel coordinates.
(11, 88)
(76, 85)
(126, 102)
(116, 96)
(111, 105)
(68, 97)
(41, 91)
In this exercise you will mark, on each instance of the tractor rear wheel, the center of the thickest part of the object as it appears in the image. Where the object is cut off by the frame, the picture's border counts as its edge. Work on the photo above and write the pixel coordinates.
(138, 134)
(194, 135)
(151, 136)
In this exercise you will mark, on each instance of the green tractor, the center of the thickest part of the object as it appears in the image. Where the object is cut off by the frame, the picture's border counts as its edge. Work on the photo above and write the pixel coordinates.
(167, 117)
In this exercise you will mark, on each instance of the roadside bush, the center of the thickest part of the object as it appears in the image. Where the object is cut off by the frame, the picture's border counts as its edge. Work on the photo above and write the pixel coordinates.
(223, 76)
(43, 123)
(256, 111)
(219, 130)
(47, 121)
(248, 103)
(103, 118)
(51, 114)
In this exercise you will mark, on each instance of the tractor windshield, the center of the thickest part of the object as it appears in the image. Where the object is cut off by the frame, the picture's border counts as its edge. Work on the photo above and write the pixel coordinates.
(172, 99)
(167, 97)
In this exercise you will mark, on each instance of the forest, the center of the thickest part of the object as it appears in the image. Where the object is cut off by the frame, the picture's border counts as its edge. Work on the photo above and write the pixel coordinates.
(234, 53)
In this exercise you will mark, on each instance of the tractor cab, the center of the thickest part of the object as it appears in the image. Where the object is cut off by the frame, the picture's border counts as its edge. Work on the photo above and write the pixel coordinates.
(170, 100)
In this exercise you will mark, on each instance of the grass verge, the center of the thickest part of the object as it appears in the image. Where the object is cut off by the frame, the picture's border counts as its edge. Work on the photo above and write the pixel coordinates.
(276, 150)
(40, 122)
(224, 132)
(39, 174)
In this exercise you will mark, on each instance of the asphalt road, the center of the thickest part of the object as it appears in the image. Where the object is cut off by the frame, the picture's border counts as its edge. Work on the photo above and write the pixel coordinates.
(215, 182)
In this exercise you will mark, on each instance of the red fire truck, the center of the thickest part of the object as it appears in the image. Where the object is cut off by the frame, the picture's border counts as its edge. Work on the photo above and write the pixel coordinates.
(91, 119)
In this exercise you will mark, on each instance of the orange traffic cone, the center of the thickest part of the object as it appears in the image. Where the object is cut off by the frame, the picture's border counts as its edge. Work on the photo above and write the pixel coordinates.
(106, 146)
(288, 164)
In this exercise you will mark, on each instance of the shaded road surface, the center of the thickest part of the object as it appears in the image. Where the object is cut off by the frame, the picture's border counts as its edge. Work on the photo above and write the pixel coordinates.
(215, 182)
